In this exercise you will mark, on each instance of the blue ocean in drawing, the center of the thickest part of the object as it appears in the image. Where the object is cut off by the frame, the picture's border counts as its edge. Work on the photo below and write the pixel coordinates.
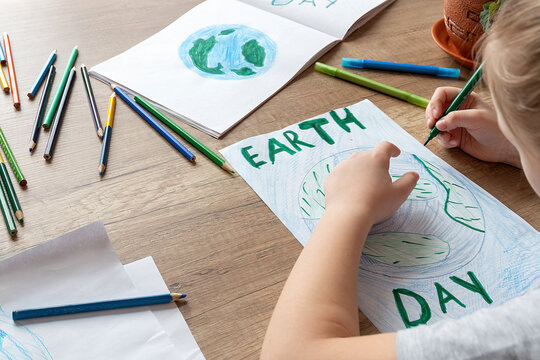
(228, 52)
(18, 342)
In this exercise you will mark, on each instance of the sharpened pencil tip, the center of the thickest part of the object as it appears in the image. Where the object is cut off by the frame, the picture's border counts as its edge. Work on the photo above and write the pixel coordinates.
(54, 51)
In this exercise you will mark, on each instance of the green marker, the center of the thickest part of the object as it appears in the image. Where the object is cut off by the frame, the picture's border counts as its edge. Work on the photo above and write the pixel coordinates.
(50, 114)
(371, 84)
(458, 100)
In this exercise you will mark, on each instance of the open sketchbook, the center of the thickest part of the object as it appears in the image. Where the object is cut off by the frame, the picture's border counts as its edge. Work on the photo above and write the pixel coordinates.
(224, 58)
(449, 250)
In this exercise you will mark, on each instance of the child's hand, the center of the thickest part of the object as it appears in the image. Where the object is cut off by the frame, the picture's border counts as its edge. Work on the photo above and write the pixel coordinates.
(362, 186)
(473, 127)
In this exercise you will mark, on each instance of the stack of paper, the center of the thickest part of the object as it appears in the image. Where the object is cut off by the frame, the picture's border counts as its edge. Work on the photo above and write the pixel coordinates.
(82, 267)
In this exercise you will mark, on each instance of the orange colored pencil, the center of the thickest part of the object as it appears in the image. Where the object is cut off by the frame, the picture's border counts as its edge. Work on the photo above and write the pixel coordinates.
(11, 70)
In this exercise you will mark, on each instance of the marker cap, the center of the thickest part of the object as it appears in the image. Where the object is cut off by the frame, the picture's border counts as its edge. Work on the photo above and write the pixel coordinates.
(448, 72)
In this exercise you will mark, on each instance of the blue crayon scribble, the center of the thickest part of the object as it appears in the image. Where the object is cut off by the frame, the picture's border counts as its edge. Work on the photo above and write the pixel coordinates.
(17, 342)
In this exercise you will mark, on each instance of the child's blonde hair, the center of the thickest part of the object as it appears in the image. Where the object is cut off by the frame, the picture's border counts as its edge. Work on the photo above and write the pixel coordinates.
(511, 50)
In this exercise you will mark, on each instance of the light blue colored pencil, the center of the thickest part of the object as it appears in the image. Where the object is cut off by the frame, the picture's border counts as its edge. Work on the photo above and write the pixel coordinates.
(95, 306)
(42, 75)
(2, 56)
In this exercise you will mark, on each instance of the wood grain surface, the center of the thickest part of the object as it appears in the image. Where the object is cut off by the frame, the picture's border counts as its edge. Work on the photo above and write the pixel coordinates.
(208, 232)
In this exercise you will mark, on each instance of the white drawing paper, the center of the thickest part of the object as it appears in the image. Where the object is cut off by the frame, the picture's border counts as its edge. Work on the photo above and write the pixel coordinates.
(78, 267)
(335, 17)
(224, 58)
(147, 279)
(449, 250)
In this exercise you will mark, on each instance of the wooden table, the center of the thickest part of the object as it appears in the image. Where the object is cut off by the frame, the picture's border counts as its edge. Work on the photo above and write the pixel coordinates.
(208, 232)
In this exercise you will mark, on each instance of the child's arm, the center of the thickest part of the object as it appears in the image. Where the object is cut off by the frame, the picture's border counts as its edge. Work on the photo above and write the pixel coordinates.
(316, 316)
(473, 128)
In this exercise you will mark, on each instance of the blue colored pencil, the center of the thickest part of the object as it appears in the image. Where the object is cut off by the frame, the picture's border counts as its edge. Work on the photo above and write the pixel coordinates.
(156, 125)
(392, 66)
(3, 60)
(42, 74)
(95, 306)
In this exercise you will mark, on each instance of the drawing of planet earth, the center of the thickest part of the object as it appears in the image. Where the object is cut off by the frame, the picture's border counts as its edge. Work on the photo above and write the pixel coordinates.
(438, 229)
(228, 52)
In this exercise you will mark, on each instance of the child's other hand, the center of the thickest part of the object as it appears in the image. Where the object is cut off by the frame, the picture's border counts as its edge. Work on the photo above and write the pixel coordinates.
(473, 127)
(362, 186)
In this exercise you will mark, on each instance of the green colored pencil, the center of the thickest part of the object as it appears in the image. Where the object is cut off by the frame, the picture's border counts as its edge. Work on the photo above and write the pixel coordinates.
(183, 133)
(12, 195)
(372, 84)
(11, 159)
(52, 109)
(6, 212)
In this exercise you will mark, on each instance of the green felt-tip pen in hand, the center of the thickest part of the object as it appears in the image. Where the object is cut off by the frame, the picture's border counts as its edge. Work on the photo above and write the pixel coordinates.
(458, 100)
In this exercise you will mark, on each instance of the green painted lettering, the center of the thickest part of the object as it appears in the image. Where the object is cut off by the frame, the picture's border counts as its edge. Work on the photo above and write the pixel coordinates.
(293, 140)
(250, 158)
(446, 296)
(275, 147)
(317, 124)
(474, 286)
(425, 311)
(349, 118)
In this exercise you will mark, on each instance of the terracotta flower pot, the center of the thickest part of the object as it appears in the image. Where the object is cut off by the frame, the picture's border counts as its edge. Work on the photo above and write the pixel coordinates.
(462, 21)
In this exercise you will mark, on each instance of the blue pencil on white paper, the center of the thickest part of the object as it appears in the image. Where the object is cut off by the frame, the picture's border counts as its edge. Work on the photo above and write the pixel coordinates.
(95, 306)
(154, 123)
(42, 75)
(2, 56)
(401, 67)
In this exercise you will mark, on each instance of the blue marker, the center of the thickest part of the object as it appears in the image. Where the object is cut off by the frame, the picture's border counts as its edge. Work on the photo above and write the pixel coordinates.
(154, 123)
(42, 74)
(2, 56)
(391, 66)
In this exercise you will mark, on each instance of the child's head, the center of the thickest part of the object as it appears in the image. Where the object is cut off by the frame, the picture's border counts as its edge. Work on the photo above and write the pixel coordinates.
(512, 71)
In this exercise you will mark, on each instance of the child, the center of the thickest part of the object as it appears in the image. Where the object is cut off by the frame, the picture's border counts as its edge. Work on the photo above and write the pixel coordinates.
(316, 316)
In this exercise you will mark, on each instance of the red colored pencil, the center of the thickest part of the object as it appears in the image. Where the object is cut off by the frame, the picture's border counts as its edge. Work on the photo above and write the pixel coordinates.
(11, 70)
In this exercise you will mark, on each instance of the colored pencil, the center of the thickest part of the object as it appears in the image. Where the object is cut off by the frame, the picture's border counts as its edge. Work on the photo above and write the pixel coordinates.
(6, 213)
(59, 115)
(41, 109)
(157, 126)
(107, 135)
(54, 105)
(3, 80)
(42, 74)
(372, 84)
(400, 67)
(177, 129)
(11, 70)
(458, 100)
(92, 101)
(2, 56)
(95, 306)
(11, 194)
(11, 159)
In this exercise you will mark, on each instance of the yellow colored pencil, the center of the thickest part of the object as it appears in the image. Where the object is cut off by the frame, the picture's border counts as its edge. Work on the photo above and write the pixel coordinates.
(107, 135)
(3, 80)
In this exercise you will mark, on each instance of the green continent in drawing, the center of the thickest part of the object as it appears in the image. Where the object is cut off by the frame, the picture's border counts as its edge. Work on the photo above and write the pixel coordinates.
(424, 189)
(228, 52)
(460, 205)
(405, 249)
(199, 55)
